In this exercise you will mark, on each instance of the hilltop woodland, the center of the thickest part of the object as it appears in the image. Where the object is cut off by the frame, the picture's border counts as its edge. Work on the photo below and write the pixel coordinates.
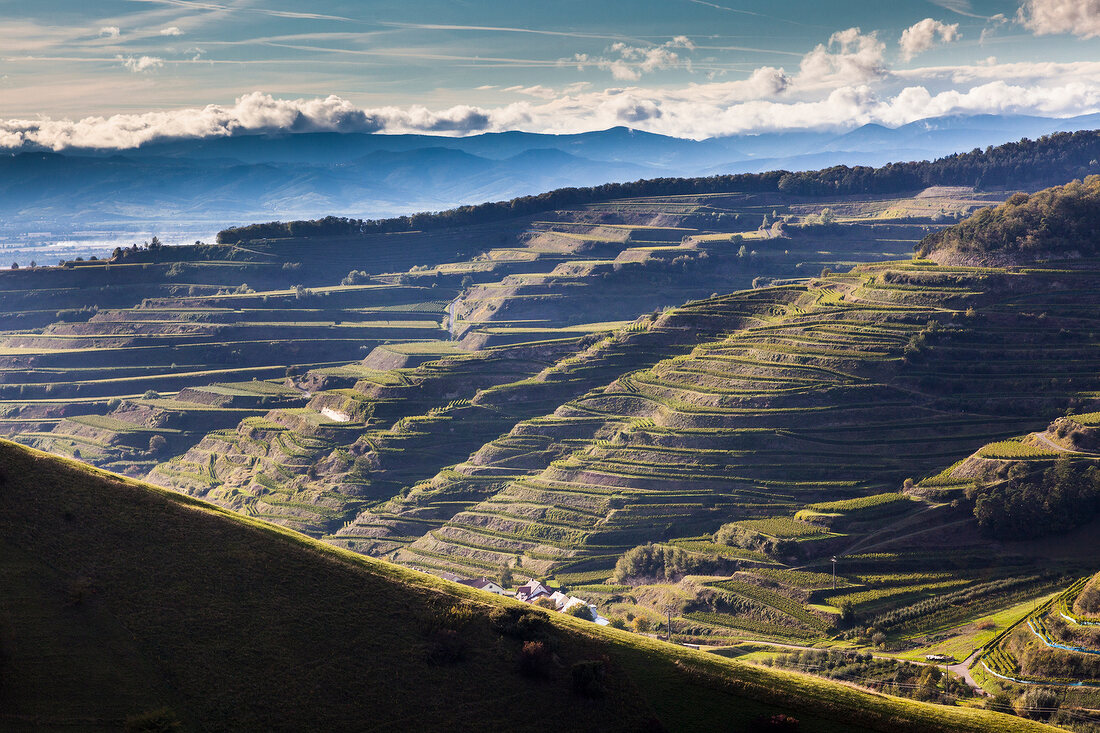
(1027, 163)
(679, 400)
(1059, 222)
(1026, 504)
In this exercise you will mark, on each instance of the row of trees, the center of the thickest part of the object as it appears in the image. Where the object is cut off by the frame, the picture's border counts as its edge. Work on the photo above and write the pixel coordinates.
(1049, 160)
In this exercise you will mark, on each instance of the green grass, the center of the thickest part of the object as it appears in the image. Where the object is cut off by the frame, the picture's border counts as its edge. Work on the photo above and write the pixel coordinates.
(862, 503)
(1014, 450)
(783, 528)
(1089, 419)
(121, 598)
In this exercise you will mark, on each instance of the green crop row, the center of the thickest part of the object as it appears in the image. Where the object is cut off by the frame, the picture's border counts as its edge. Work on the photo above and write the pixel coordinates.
(966, 602)
(782, 527)
(861, 503)
(751, 625)
(779, 602)
(710, 548)
(907, 592)
(1014, 450)
(804, 579)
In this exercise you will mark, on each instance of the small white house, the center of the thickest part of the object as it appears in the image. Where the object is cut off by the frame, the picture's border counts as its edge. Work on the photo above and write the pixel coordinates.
(532, 591)
(484, 584)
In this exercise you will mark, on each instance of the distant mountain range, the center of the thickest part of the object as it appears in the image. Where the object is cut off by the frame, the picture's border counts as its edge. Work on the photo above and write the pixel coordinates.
(214, 182)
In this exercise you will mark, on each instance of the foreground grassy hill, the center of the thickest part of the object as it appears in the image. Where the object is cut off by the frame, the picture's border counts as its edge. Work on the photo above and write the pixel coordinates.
(126, 605)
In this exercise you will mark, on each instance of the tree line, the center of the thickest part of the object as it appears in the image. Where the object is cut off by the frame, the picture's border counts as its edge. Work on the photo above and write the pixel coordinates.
(1049, 160)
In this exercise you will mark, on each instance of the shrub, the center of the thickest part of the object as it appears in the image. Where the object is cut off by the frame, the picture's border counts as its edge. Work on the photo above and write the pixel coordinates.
(581, 611)
(157, 443)
(520, 623)
(588, 677)
(355, 277)
(446, 647)
(734, 535)
(660, 562)
(1036, 703)
(535, 659)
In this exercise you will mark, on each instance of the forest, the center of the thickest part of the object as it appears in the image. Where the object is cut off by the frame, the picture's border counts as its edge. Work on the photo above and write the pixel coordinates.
(1027, 163)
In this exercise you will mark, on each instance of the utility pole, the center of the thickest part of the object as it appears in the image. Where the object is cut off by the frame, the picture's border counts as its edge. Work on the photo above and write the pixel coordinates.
(668, 610)
(834, 572)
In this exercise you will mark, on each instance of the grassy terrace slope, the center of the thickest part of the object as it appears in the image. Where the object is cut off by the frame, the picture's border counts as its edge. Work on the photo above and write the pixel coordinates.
(926, 360)
(345, 436)
(121, 599)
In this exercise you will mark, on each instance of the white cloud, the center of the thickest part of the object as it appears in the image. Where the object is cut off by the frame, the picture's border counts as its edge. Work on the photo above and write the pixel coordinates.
(171, 31)
(629, 63)
(994, 22)
(756, 104)
(922, 36)
(1045, 17)
(838, 85)
(138, 64)
(536, 90)
(111, 31)
(849, 57)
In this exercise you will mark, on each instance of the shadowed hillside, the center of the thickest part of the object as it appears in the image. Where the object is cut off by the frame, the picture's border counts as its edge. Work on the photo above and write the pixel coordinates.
(126, 605)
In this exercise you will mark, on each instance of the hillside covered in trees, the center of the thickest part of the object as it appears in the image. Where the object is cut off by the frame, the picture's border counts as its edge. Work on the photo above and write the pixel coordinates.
(1025, 164)
(1063, 221)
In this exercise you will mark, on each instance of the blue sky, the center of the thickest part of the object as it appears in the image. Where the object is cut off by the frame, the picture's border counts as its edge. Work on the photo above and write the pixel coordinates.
(684, 67)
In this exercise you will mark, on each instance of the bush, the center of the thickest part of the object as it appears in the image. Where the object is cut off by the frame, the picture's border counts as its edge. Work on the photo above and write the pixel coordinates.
(659, 562)
(734, 535)
(157, 443)
(1036, 703)
(588, 678)
(520, 623)
(446, 647)
(535, 659)
(355, 277)
(581, 611)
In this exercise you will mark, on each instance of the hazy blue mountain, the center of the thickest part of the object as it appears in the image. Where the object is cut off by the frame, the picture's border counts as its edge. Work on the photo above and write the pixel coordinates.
(203, 185)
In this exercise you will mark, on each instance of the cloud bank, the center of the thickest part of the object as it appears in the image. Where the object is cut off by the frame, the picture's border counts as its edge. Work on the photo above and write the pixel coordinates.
(698, 111)
(838, 85)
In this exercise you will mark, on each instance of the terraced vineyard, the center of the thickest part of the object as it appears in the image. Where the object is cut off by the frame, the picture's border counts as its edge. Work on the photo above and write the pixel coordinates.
(792, 409)
(535, 399)
(178, 344)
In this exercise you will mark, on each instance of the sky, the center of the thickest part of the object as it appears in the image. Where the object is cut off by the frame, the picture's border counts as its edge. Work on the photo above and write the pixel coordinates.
(117, 73)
